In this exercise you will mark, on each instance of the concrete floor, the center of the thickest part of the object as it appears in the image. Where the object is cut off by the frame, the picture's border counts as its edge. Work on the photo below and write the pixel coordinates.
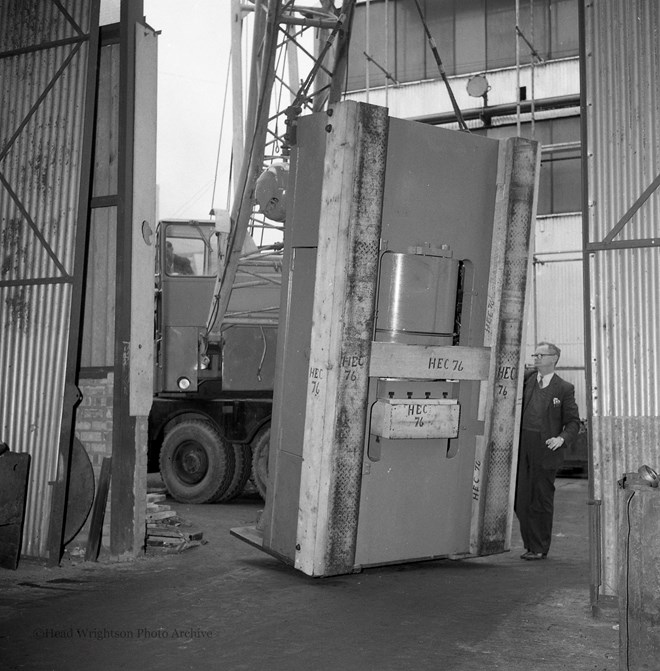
(227, 606)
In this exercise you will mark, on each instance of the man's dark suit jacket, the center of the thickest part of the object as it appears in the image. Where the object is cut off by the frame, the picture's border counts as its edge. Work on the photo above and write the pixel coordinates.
(561, 416)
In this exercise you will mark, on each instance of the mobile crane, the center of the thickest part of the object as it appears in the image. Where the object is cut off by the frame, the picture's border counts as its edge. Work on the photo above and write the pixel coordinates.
(217, 292)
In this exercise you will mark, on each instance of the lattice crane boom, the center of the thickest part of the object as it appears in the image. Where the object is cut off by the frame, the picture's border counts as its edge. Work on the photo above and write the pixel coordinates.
(284, 32)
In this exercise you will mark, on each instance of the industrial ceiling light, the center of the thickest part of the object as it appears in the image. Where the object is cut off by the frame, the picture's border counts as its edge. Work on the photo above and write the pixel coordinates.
(478, 86)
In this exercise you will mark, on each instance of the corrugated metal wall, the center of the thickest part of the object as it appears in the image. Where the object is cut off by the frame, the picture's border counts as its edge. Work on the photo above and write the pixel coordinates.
(622, 234)
(556, 312)
(43, 67)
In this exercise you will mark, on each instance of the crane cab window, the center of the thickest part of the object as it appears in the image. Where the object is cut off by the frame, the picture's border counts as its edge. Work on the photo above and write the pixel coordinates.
(190, 250)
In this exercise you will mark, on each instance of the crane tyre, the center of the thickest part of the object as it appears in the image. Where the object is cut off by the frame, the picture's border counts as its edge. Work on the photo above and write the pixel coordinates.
(260, 452)
(242, 472)
(196, 464)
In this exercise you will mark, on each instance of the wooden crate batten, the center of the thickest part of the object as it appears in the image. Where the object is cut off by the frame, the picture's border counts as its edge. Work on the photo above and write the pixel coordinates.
(497, 449)
(342, 327)
(425, 362)
(415, 418)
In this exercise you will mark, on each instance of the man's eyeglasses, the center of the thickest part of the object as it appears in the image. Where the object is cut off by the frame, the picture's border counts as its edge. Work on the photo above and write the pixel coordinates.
(539, 356)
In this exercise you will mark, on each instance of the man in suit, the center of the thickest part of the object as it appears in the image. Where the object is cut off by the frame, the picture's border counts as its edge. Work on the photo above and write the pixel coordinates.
(550, 422)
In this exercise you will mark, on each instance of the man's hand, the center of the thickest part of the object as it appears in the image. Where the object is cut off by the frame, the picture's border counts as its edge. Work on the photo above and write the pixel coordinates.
(554, 443)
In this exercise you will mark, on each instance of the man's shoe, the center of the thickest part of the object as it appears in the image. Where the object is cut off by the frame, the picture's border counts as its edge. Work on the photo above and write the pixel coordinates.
(534, 556)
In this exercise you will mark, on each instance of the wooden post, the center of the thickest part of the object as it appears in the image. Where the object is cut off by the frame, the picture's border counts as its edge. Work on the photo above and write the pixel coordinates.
(497, 452)
(342, 331)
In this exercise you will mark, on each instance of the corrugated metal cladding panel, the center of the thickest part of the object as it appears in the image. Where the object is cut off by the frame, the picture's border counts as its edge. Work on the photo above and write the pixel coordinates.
(558, 234)
(623, 62)
(42, 92)
(559, 319)
(33, 336)
(556, 313)
(559, 313)
(25, 23)
(622, 68)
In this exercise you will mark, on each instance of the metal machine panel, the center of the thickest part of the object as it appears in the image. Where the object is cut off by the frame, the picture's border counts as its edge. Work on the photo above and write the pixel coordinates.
(412, 506)
(181, 348)
(289, 395)
(303, 215)
(440, 189)
(248, 357)
(429, 200)
(417, 297)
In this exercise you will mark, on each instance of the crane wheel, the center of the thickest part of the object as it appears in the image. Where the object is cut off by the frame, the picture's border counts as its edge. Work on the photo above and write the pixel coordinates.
(260, 451)
(196, 464)
(242, 472)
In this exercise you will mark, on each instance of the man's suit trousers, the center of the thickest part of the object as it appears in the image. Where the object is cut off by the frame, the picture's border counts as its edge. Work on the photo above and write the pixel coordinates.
(535, 493)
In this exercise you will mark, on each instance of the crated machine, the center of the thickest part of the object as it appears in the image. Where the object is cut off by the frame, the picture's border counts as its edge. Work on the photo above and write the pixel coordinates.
(396, 405)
